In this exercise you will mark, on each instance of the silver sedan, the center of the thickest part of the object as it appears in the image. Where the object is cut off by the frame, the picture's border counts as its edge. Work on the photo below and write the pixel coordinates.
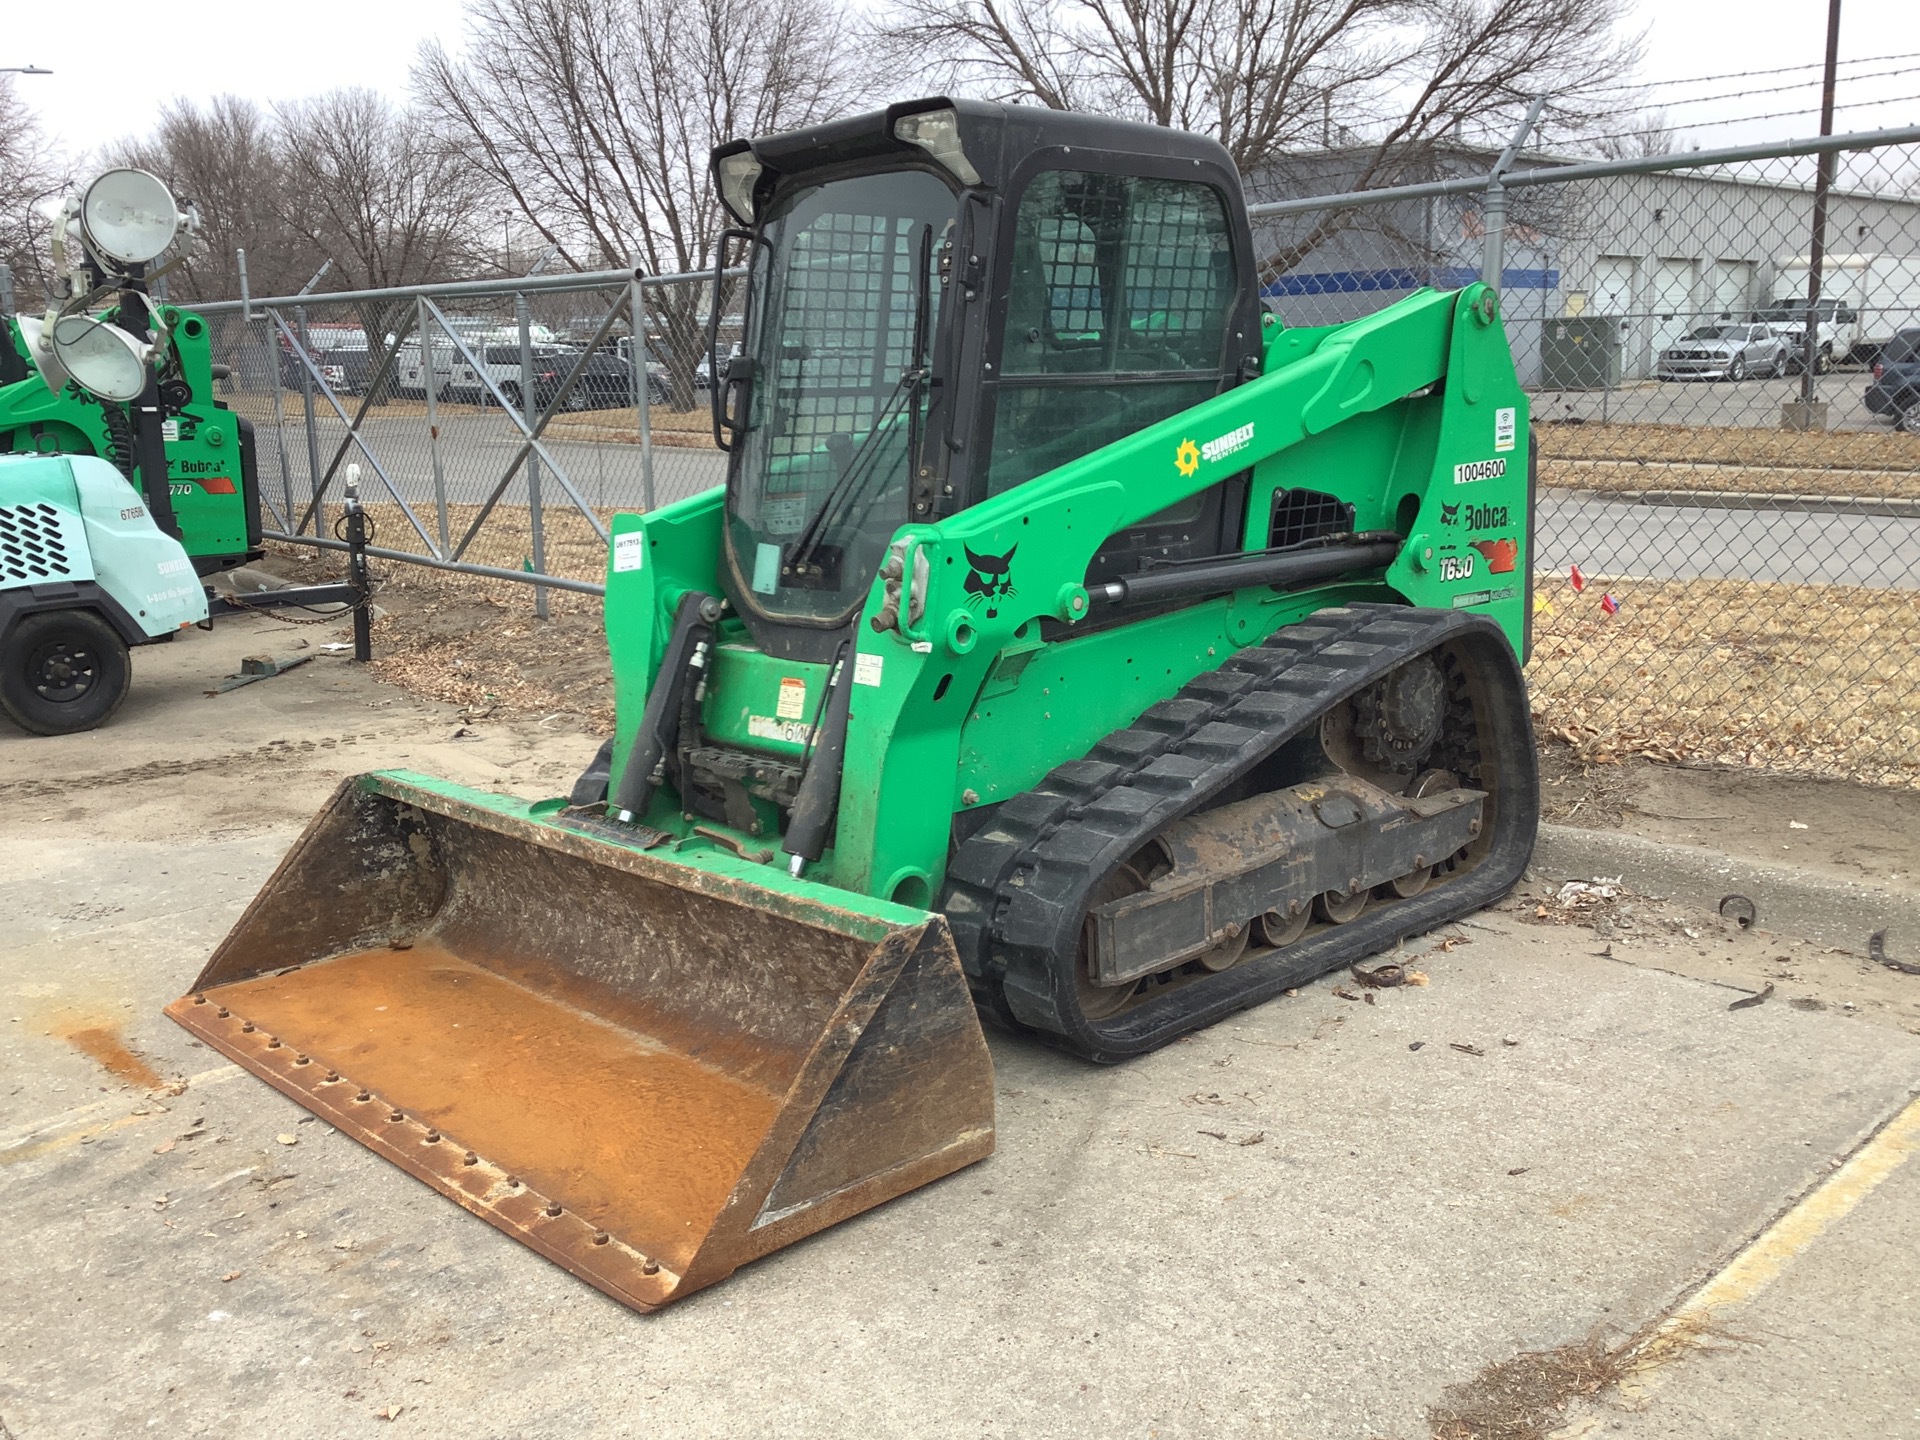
(1724, 352)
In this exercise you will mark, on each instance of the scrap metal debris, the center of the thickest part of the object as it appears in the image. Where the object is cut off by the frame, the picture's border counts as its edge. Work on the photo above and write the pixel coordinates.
(258, 667)
(1759, 998)
(1381, 977)
(1877, 951)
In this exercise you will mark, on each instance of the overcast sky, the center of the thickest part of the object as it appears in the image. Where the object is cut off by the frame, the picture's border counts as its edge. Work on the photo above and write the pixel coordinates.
(106, 88)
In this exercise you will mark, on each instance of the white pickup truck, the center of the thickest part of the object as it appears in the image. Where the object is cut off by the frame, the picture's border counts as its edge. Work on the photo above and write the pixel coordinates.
(1864, 301)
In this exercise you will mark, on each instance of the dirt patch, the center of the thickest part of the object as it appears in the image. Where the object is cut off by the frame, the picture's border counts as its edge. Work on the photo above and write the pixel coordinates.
(1855, 831)
(475, 643)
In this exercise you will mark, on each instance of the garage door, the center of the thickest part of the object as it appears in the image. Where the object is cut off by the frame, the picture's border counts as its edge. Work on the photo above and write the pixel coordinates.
(1612, 286)
(1732, 288)
(1670, 301)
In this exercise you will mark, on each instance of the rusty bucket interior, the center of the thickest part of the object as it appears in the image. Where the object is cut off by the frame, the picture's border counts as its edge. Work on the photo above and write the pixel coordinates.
(649, 1071)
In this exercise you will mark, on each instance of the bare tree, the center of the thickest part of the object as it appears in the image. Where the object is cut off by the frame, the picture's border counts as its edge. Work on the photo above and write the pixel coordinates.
(1387, 82)
(32, 171)
(225, 159)
(596, 120)
(1645, 134)
(373, 190)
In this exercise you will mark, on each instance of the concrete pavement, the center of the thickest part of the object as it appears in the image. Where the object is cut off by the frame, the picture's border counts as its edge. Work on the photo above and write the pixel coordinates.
(1308, 1221)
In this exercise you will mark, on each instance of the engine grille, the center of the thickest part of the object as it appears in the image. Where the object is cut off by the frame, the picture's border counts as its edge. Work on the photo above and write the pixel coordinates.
(32, 544)
(1307, 515)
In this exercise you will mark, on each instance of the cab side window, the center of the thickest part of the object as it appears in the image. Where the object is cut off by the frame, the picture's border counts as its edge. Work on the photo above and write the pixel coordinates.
(1122, 292)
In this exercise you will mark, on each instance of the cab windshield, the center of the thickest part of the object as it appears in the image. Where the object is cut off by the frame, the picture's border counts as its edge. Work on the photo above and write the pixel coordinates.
(844, 287)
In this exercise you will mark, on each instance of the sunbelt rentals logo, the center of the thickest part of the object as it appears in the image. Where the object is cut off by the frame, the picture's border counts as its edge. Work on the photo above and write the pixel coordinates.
(1188, 457)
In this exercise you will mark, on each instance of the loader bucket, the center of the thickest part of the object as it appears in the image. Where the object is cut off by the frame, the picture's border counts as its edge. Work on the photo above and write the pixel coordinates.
(650, 1070)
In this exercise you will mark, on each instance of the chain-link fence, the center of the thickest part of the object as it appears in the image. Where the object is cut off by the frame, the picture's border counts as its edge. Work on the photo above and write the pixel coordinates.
(1727, 563)
(494, 427)
(1727, 555)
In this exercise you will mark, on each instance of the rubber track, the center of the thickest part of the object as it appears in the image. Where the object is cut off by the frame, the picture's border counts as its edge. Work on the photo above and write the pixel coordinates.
(1016, 891)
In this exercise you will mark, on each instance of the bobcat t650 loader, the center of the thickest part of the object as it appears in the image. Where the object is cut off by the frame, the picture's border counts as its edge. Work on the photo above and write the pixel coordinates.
(1071, 646)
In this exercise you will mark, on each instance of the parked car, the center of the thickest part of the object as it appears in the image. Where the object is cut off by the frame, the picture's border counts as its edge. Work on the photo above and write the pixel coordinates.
(606, 381)
(339, 353)
(1727, 351)
(1839, 331)
(1895, 391)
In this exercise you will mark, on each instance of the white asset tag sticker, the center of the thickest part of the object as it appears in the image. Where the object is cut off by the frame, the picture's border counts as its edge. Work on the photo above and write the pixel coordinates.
(792, 704)
(1503, 428)
(766, 569)
(629, 551)
(170, 431)
(867, 669)
(765, 727)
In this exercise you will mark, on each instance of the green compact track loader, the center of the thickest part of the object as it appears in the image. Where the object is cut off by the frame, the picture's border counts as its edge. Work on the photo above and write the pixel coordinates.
(1072, 646)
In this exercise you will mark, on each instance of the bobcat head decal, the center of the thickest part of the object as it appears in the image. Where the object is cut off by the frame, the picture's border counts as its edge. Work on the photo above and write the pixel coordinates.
(989, 577)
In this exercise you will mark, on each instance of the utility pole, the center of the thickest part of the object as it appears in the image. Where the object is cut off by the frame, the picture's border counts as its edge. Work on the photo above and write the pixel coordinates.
(1810, 415)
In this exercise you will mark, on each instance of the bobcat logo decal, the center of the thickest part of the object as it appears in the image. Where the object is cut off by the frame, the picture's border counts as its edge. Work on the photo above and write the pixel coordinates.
(989, 578)
(1501, 554)
(1448, 513)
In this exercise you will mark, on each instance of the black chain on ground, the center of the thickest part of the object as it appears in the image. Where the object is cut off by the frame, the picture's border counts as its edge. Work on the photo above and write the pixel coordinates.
(1010, 885)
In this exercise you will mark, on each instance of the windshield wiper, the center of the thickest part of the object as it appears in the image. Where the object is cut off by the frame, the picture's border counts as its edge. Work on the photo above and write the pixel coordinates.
(912, 380)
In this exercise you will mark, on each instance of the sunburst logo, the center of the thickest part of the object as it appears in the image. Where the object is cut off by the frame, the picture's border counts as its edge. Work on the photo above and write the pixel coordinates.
(1187, 458)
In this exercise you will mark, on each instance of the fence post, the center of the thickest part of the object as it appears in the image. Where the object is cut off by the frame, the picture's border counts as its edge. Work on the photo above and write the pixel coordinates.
(642, 382)
(313, 437)
(430, 387)
(1494, 204)
(531, 411)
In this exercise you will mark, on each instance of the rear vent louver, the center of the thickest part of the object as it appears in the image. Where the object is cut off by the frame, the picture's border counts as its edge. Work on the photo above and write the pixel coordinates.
(32, 545)
(1307, 515)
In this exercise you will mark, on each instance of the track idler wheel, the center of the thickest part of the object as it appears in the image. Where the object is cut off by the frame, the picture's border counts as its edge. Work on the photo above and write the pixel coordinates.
(1341, 907)
(1283, 927)
(1229, 951)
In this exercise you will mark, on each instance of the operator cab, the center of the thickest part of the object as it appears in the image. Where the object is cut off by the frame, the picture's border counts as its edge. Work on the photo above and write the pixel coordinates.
(946, 299)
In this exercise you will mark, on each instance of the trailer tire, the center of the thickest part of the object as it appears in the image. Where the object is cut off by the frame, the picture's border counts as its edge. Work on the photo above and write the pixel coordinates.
(62, 671)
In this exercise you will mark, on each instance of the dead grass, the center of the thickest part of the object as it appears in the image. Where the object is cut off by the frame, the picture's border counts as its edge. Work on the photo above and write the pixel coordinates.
(1801, 679)
(1526, 1397)
(1811, 679)
(682, 428)
(1616, 458)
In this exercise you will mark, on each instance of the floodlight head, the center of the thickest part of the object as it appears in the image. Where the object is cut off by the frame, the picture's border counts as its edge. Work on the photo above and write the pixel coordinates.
(102, 359)
(128, 217)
